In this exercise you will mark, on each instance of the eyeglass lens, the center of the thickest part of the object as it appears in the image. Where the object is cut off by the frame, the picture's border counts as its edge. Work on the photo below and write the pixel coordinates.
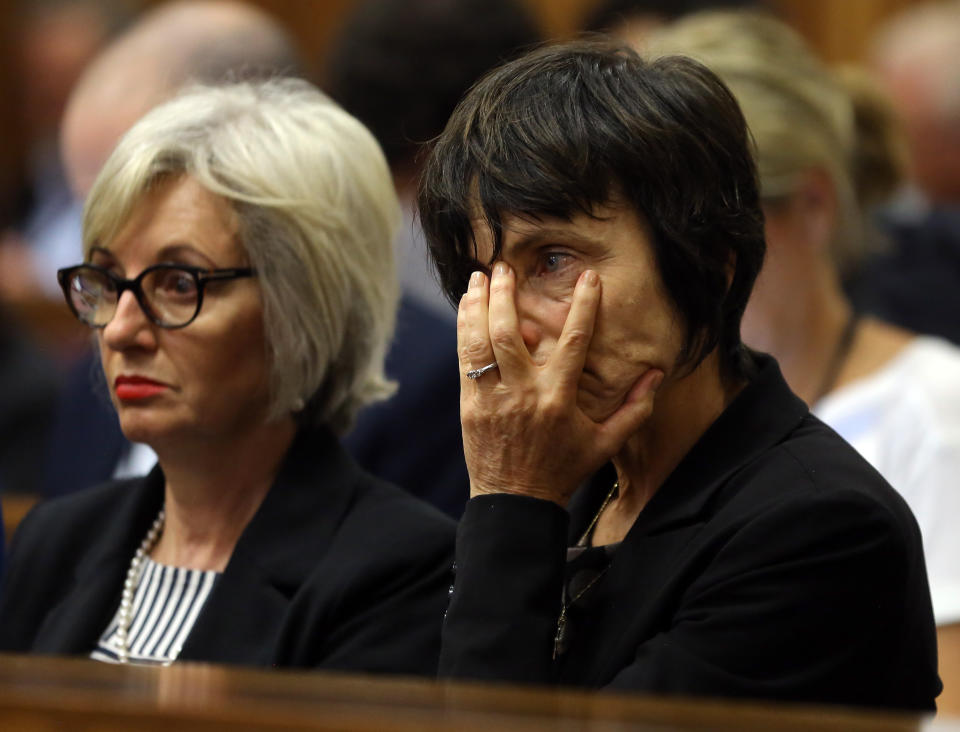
(170, 295)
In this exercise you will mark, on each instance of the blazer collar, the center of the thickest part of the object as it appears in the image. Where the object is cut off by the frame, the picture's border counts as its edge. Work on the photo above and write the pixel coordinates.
(278, 550)
(306, 504)
(76, 622)
(274, 555)
(301, 513)
(762, 415)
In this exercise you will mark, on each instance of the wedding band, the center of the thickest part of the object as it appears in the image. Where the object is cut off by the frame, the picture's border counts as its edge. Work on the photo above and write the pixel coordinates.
(477, 373)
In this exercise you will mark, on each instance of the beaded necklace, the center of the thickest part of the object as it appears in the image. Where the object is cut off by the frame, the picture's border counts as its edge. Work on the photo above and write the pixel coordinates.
(125, 615)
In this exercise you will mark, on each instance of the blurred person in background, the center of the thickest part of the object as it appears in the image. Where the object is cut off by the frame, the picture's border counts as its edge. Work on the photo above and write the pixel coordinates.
(633, 20)
(892, 394)
(238, 273)
(916, 283)
(29, 387)
(56, 40)
(401, 66)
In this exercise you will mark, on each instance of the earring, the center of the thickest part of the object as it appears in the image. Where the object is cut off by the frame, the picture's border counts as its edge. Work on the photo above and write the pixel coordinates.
(298, 405)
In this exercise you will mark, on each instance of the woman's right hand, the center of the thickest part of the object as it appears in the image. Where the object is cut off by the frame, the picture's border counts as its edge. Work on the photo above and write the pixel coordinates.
(523, 431)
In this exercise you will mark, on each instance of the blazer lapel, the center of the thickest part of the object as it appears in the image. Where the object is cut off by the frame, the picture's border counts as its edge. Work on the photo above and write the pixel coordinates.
(244, 616)
(637, 599)
(75, 624)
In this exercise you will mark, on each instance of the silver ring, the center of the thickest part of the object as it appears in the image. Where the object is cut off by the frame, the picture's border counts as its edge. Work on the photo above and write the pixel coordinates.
(477, 373)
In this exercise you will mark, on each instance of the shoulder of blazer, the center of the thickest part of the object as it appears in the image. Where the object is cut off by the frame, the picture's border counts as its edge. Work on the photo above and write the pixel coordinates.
(323, 501)
(87, 523)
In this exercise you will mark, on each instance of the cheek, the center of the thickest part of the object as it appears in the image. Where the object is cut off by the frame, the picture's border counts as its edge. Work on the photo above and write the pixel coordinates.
(245, 353)
(636, 328)
(231, 362)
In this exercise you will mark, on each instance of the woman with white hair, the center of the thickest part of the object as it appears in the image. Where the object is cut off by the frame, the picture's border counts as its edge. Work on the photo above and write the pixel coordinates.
(239, 274)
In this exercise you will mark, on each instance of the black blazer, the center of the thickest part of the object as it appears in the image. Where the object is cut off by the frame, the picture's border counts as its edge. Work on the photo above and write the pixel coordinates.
(336, 570)
(774, 562)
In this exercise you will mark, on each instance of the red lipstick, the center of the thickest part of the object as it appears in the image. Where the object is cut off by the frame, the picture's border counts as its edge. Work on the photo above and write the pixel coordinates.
(130, 388)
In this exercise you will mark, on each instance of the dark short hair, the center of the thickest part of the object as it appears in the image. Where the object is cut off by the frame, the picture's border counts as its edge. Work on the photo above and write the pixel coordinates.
(401, 66)
(572, 126)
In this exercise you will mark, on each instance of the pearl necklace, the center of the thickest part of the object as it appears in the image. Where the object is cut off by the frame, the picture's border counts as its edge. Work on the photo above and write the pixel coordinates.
(125, 614)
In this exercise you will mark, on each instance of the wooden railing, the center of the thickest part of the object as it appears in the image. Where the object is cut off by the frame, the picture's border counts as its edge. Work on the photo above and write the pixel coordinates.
(57, 693)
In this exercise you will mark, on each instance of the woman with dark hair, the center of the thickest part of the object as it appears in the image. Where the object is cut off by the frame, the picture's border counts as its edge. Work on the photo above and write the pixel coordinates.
(652, 508)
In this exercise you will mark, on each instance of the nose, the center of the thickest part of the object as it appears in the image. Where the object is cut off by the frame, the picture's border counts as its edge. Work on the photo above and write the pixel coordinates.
(129, 326)
(534, 326)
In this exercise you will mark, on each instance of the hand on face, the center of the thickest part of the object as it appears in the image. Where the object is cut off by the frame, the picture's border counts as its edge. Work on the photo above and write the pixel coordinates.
(523, 431)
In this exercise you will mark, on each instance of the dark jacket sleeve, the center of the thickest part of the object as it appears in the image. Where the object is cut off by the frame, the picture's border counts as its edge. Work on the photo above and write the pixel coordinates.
(506, 597)
(376, 610)
(29, 583)
(804, 601)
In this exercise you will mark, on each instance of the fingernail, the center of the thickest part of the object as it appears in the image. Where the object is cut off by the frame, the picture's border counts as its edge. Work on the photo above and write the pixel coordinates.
(476, 279)
(500, 269)
(590, 278)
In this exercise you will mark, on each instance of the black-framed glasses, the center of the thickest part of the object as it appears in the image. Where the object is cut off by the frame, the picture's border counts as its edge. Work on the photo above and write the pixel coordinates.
(169, 294)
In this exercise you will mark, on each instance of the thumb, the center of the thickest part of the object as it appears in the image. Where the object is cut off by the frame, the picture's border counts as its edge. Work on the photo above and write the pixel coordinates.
(635, 410)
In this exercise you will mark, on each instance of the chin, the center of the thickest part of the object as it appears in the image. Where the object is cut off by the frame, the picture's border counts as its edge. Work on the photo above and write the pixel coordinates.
(147, 428)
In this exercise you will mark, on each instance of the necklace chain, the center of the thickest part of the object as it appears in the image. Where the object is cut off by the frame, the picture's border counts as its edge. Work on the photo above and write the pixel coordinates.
(596, 517)
(838, 357)
(125, 614)
(562, 620)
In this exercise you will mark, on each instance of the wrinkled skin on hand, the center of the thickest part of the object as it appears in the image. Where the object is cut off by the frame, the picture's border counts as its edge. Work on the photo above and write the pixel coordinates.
(523, 431)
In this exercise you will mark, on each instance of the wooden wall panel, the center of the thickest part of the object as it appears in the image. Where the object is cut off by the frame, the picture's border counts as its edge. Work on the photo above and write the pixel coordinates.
(839, 29)
(11, 135)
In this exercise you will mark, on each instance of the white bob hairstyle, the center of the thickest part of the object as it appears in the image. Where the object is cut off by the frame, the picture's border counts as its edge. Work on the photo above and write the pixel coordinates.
(317, 216)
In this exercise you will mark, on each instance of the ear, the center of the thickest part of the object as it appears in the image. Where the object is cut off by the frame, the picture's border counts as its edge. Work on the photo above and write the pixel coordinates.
(817, 209)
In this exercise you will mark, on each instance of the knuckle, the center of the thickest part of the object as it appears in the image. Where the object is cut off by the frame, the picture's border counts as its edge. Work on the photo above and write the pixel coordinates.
(501, 336)
(473, 298)
(577, 337)
(474, 348)
(552, 409)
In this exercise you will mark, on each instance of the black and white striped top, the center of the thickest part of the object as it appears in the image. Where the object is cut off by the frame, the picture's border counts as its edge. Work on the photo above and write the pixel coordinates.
(165, 607)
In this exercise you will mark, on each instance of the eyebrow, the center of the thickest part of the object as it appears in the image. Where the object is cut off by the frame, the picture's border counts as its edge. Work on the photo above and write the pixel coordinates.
(541, 235)
(166, 254)
(173, 251)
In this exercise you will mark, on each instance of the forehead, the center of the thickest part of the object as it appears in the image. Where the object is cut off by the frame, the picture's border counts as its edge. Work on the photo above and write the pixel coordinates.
(605, 224)
(179, 213)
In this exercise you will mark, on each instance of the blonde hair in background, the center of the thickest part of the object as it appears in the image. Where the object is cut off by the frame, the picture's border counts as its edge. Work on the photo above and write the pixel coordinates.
(318, 214)
(800, 115)
(880, 155)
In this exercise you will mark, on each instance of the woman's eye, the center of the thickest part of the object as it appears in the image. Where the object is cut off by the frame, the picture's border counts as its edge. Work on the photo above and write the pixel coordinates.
(555, 261)
(183, 284)
(177, 283)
